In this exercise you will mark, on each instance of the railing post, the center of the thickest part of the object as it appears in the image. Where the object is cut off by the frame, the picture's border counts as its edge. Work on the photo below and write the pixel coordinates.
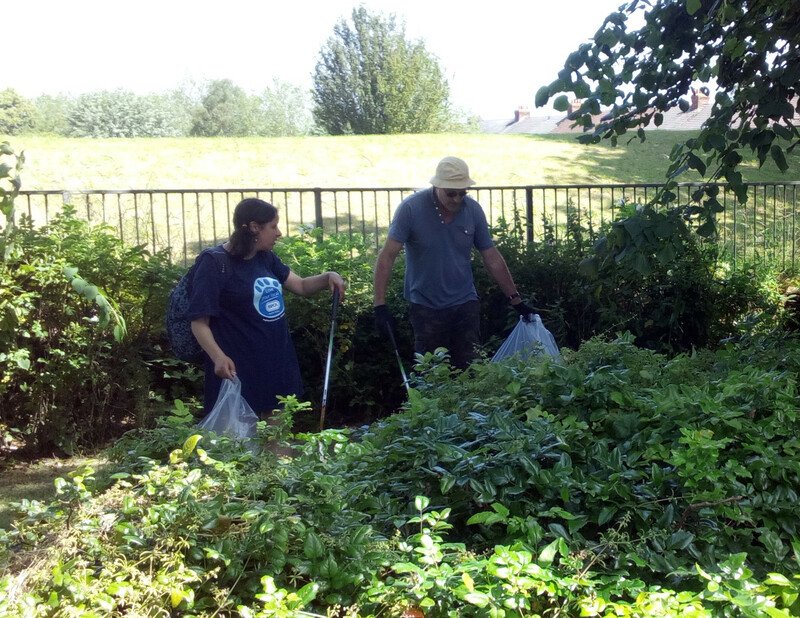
(318, 209)
(529, 213)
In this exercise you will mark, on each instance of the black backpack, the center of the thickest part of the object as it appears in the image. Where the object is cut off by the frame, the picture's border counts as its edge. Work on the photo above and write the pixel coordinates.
(179, 329)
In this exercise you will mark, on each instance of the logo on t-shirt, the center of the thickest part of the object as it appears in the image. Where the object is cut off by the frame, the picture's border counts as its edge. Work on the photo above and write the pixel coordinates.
(268, 298)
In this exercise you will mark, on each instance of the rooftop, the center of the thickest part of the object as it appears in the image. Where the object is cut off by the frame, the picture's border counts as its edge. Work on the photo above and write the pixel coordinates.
(523, 123)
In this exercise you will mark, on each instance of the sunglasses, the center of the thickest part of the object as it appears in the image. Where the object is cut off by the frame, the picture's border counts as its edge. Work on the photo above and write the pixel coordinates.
(461, 193)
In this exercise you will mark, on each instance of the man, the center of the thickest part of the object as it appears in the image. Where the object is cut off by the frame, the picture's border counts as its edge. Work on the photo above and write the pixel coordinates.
(439, 227)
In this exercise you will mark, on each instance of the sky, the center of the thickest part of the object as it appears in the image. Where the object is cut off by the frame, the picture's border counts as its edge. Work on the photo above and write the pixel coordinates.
(495, 55)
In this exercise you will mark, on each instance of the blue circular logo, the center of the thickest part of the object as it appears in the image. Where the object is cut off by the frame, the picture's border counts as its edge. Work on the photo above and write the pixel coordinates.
(268, 298)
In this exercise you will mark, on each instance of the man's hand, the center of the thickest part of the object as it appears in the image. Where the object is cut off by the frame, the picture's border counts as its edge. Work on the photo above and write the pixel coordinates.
(384, 321)
(526, 312)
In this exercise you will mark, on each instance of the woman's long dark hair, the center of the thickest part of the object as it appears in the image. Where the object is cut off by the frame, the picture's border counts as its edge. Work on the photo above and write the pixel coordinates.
(248, 210)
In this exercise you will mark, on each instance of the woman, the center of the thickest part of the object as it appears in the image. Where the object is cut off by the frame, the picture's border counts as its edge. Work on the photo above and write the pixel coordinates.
(237, 310)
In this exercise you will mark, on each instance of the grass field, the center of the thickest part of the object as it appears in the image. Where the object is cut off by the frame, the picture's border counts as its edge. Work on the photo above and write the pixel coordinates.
(346, 162)
(184, 223)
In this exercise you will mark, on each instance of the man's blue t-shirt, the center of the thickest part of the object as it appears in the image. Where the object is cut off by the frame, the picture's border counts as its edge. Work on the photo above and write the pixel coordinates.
(438, 254)
(248, 321)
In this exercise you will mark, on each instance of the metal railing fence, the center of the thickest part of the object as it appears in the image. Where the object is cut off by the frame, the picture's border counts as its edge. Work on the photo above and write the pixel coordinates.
(184, 221)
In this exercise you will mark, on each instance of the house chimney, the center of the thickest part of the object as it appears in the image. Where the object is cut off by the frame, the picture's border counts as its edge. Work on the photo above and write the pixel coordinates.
(574, 106)
(521, 113)
(699, 99)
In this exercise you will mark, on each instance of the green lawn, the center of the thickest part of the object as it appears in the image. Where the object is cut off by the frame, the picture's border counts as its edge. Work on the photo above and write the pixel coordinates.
(346, 162)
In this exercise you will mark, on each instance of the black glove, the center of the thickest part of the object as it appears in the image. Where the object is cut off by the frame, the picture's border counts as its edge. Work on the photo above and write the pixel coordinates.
(525, 311)
(384, 321)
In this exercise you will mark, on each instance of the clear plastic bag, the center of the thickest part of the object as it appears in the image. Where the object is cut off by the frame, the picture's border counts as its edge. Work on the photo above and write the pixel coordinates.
(231, 416)
(528, 338)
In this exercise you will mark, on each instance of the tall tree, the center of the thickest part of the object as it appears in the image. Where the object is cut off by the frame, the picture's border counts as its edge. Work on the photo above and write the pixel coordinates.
(748, 51)
(371, 80)
(225, 109)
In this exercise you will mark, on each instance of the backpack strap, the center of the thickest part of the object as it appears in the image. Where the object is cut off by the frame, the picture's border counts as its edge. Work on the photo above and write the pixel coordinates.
(221, 257)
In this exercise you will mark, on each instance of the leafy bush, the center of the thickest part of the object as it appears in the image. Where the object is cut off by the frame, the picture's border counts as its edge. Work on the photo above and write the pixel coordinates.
(365, 382)
(225, 109)
(51, 114)
(614, 434)
(53, 344)
(615, 481)
(653, 277)
(76, 355)
(645, 273)
(548, 276)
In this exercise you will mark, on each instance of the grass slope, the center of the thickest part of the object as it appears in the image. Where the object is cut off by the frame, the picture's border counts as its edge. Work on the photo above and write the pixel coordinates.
(347, 162)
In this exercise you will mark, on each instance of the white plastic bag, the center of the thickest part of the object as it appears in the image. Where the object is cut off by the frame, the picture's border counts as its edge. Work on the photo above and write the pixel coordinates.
(231, 416)
(528, 338)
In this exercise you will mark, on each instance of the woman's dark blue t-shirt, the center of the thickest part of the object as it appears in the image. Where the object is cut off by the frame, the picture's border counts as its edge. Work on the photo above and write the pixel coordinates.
(248, 320)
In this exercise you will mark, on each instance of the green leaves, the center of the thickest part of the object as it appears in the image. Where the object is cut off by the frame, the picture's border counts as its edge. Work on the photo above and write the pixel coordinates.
(123, 113)
(542, 96)
(779, 158)
(549, 552)
(625, 461)
(696, 163)
(106, 311)
(692, 6)
(561, 104)
(500, 515)
(10, 185)
(313, 547)
(78, 310)
(746, 50)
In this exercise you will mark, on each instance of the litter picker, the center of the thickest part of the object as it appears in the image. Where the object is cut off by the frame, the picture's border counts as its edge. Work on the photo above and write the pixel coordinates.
(397, 355)
(328, 362)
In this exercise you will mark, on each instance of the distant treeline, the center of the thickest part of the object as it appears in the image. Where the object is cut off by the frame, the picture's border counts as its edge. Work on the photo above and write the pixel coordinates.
(215, 108)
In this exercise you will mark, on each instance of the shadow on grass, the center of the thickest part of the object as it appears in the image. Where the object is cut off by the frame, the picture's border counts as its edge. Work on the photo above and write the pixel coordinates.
(35, 481)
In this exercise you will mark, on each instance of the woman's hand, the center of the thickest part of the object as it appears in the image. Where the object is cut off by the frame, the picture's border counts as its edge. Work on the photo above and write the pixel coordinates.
(224, 367)
(335, 282)
(308, 286)
(223, 364)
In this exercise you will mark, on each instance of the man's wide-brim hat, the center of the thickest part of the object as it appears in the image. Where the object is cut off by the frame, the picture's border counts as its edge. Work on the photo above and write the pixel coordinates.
(452, 173)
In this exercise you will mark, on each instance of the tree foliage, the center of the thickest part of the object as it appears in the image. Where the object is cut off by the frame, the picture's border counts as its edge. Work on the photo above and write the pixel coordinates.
(214, 108)
(16, 112)
(371, 80)
(748, 51)
(225, 109)
(284, 110)
(52, 114)
(123, 114)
